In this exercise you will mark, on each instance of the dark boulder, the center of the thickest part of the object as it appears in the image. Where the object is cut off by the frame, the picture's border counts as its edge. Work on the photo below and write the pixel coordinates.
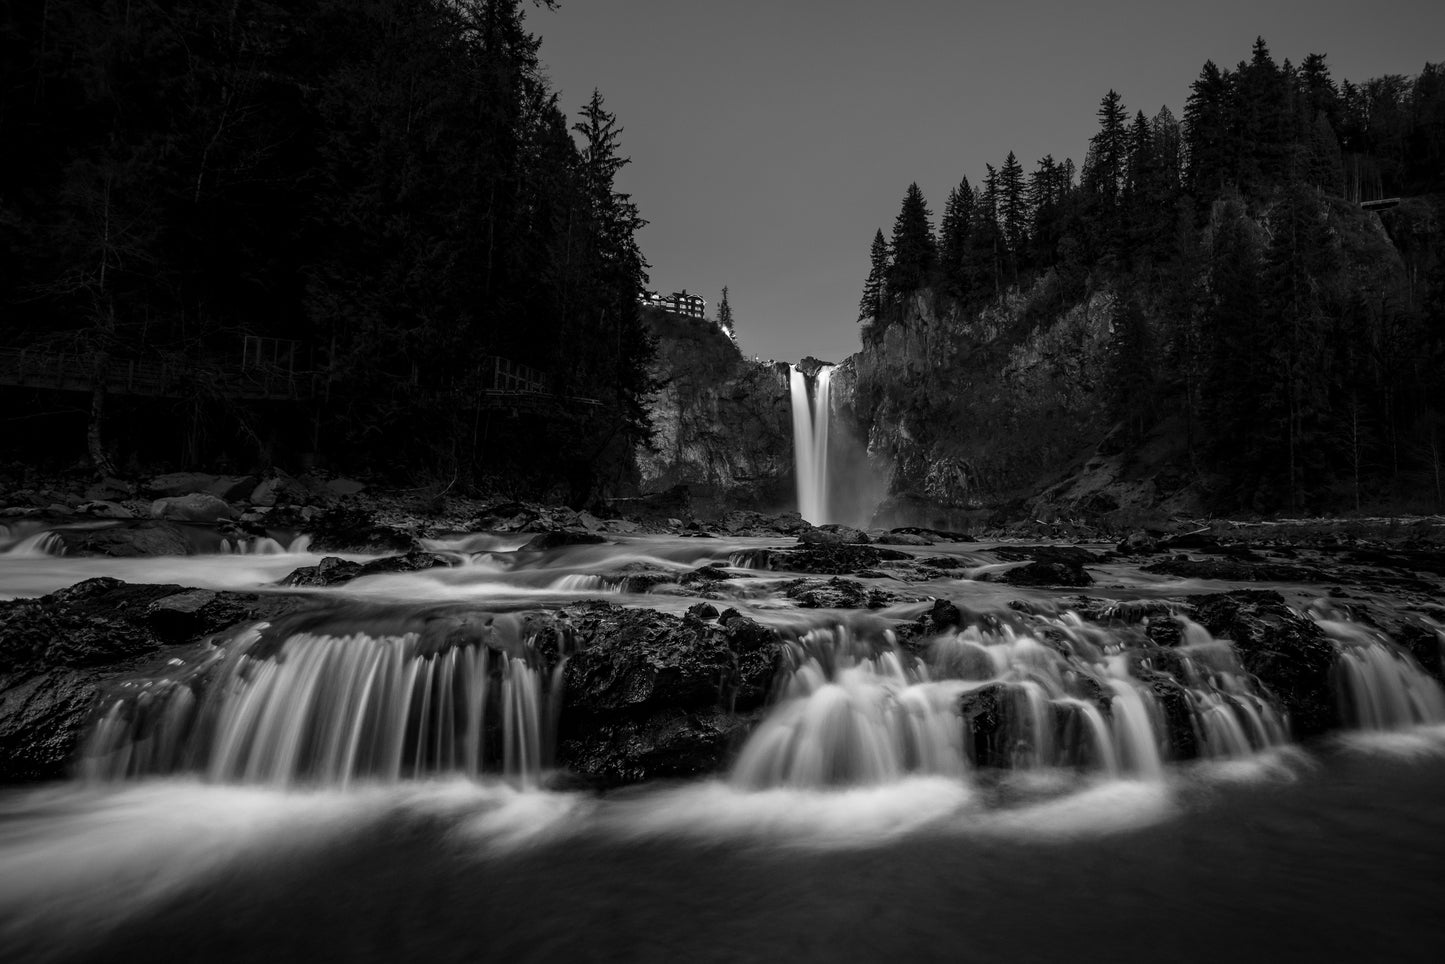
(1235, 570)
(650, 695)
(839, 593)
(667, 744)
(1286, 651)
(902, 539)
(1055, 573)
(334, 571)
(127, 540)
(563, 537)
(349, 528)
(1069, 555)
(833, 535)
(58, 653)
(827, 560)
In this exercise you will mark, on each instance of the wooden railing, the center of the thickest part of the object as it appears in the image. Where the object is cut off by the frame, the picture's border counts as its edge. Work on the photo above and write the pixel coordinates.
(263, 373)
(72, 371)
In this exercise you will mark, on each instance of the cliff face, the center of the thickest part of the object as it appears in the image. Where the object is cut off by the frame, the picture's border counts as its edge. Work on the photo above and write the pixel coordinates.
(722, 422)
(1004, 411)
(963, 414)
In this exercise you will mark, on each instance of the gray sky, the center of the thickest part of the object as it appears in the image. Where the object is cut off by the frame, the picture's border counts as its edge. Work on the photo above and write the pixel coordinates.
(770, 139)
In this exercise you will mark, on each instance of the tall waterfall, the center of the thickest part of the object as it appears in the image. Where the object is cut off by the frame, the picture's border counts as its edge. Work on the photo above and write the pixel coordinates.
(810, 442)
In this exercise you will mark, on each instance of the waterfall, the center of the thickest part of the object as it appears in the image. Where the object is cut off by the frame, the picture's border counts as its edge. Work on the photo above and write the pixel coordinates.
(1380, 687)
(330, 710)
(1065, 694)
(810, 442)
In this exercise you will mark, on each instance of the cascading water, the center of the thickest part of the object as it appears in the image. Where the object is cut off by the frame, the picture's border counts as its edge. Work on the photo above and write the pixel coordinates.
(856, 713)
(330, 710)
(810, 441)
(1380, 687)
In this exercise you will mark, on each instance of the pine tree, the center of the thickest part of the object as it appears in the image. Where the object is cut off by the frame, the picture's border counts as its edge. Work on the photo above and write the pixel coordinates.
(1208, 139)
(1111, 152)
(875, 292)
(914, 250)
(986, 242)
(953, 240)
(1013, 213)
(725, 315)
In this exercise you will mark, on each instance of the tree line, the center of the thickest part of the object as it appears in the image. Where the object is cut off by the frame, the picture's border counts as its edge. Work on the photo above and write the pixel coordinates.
(389, 186)
(1256, 304)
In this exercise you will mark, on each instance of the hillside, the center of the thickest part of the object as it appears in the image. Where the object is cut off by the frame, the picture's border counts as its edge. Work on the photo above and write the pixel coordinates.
(1014, 408)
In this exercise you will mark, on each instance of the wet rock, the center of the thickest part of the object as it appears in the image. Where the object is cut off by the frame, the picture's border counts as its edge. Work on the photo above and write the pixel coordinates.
(352, 529)
(1055, 573)
(335, 571)
(1138, 543)
(1068, 555)
(703, 611)
(196, 507)
(651, 695)
(563, 537)
(902, 539)
(833, 535)
(1286, 651)
(1183, 743)
(667, 744)
(58, 652)
(837, 593)
(127, 540)
(1234, 570)
(931, 535)
(822, 559)
(748, 523)
(105, 510)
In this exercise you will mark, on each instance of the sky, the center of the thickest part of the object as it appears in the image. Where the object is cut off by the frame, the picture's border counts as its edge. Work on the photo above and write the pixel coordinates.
(770, 138)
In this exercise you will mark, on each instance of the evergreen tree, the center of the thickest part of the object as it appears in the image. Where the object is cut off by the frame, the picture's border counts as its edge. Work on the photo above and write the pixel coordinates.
(1013, 213)
(1299, 261)
(1207, 135)
(953, 240)
(914, 250)
(1109, 150)
(725, 315)
(986, 242)
(875, 290)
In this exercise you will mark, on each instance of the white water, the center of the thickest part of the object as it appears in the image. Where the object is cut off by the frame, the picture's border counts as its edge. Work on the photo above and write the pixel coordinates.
(329, 711)
(810, 442)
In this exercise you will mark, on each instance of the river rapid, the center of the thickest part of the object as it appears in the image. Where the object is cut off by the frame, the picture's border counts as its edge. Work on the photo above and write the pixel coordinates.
(864, 819)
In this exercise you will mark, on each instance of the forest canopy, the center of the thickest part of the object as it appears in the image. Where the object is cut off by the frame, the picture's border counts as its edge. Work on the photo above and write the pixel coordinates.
(1259, 303)
(385, 196)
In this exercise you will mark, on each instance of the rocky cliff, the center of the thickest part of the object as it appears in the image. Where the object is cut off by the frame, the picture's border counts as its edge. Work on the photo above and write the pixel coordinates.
(965, 413)
(1002, 413)
(722, 422)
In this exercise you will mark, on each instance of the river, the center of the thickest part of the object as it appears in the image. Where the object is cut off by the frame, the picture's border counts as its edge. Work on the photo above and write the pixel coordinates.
(848, 828)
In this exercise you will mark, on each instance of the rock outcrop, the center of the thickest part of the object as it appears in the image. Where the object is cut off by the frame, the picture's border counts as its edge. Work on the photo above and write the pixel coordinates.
(722, 422)
(59, 652)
